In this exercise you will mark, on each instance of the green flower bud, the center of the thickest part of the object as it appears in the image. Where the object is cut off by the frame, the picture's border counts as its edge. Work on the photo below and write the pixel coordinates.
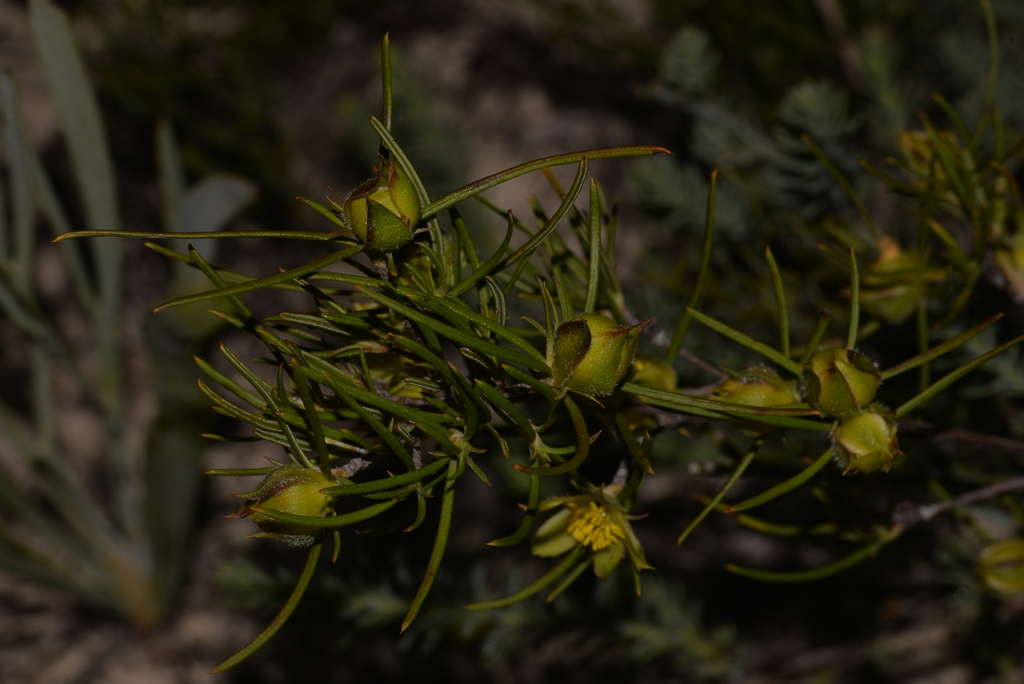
(840, 382)
(655, 373)
(287, 489)
(592, 353)
(894, 284)
(758, 386)
(1001, 566)
(866, 441)
(384, 210)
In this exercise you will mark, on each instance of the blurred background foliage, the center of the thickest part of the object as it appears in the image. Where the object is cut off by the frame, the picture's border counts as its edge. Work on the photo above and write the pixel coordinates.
(278, 93)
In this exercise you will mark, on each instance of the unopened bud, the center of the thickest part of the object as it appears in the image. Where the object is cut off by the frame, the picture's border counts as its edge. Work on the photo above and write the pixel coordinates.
(840, 382)
(866, 441)
(384, 210)
(651, 372)
(894, 284)
(758, 386)
(287, 489)
(592, 353)
(1001, 566)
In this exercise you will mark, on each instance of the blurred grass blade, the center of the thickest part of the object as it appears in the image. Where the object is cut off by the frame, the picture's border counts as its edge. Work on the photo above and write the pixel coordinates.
(19, 174)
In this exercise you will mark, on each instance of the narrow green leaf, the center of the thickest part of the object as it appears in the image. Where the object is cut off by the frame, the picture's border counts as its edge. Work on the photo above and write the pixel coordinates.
(748, 342)
(730, 481)
(683, 326)
(839, 178)
(329, 521)
(386, 483)
(857, 556)
(440, 542)
(851, 334)
(282, 616)
(950, 378)
(502, 403)
(537, 586)
(484, 270)
(385, 77)
(282, 277)
(939, 350)
(454, 334)
(245, 395)
(532, 501)
(784, 487)
(819, 332)
(780, 302)
(594, 261)
(542, 235)
(377, 426)
(686, 401)
(299, 380)
(453, 198)
(579, 424)
(239, 472)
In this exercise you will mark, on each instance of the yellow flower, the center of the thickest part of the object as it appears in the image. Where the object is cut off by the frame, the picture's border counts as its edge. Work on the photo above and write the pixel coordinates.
(592, 526)
(595, 520)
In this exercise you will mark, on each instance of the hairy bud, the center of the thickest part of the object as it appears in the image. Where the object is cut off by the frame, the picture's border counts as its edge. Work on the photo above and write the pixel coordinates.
(287, 489)
(839, 382)
(1001, 566)
(758, 386)
(384, 210)
(866, 441)
(592, 353)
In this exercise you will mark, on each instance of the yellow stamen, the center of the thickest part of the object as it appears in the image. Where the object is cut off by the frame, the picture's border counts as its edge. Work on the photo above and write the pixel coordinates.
(592, 527)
